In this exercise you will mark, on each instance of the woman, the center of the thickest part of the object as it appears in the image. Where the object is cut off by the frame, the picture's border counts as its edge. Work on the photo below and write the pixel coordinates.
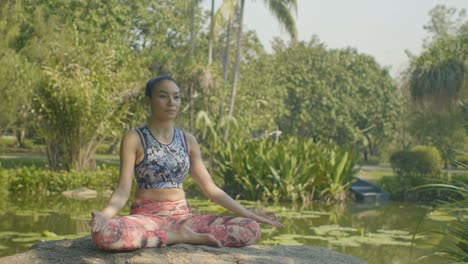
(161, 156)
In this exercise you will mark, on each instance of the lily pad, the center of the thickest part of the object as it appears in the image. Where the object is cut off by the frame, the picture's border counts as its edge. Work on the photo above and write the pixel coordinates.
(315, 213)
(8, 234)
(332, 229)
(393, 232)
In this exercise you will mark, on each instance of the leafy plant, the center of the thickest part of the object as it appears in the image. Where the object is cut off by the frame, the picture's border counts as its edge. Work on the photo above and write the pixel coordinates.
(293, 169)
(453, 236)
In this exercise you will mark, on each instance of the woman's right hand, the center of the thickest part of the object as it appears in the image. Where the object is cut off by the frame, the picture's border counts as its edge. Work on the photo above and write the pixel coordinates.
(98, 221)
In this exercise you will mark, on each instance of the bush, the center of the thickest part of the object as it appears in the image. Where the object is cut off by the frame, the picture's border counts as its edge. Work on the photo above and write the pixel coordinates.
(423, 161)
(291, 170)
(403, 161)
(37, 181)
(419, 166)
(428, 160)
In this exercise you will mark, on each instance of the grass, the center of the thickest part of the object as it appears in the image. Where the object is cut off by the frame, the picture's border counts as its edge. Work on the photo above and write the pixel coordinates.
(40, 161)
(8, 145)
(33, 155)
(374, 176)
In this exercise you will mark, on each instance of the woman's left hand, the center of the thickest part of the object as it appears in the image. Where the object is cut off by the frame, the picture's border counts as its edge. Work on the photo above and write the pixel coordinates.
(268, 218)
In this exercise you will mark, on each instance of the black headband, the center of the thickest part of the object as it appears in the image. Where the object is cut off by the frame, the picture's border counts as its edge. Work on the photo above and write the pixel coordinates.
(151, 83)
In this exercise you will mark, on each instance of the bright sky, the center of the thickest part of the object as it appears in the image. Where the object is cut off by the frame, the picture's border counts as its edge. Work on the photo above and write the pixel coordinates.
(381, 28)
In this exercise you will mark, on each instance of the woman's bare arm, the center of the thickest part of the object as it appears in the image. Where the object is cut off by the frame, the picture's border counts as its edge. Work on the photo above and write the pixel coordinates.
(121, 194)
(213, 192)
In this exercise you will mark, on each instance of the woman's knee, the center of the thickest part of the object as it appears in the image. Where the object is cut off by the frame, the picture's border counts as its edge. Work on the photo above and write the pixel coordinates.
(246, 232)
(255, 231)
(109, 238)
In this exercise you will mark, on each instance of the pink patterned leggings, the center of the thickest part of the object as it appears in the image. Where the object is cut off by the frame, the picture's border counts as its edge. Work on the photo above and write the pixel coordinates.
(149, 220)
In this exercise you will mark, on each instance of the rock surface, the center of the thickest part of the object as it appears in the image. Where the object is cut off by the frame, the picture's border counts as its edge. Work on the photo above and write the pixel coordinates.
(83, 250)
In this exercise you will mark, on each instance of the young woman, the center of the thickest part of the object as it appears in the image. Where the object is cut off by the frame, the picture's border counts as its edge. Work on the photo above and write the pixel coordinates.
(161, 156)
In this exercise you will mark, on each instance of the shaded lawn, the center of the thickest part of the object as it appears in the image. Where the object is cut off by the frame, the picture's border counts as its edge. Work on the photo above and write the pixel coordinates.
(18, 160)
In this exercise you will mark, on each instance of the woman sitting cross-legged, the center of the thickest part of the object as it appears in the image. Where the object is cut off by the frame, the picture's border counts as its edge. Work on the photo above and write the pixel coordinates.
(161, 156)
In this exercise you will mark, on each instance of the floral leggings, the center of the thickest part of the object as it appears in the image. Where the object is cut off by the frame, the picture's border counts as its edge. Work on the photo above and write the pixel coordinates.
(149, 220)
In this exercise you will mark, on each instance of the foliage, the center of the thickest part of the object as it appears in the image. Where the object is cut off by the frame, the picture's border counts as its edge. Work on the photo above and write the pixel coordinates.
(436, 81)
(423, 161)
(416, 167)
(76, 108)
(293, 169)
(334, 94)
(31, 180)
(430, 160)
(444, 130)
(454, 235)
(17, 79)
(437, 75)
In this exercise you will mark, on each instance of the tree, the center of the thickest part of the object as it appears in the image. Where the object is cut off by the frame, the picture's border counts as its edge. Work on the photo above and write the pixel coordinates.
(281, 9)
(211, 35)
(84, 82)
(334, 94)
(438, 74)
(443, 23)
(437, 83)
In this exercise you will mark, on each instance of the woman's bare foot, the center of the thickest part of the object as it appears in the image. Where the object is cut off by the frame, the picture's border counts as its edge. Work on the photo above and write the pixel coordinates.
(188, 236)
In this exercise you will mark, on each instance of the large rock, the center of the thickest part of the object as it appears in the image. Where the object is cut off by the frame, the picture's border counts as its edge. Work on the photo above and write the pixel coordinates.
(83, 250)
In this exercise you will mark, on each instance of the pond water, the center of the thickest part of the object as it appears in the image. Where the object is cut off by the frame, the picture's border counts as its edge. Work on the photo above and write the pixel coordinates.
(377, 233)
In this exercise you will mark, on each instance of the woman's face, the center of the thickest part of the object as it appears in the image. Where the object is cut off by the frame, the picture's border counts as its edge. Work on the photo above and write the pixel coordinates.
(165, 100)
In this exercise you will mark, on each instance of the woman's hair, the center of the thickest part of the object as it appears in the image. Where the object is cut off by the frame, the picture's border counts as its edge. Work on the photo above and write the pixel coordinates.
(155, 81)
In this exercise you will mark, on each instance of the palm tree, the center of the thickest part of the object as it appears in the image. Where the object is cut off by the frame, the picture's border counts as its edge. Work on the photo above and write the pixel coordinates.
(193, 4)
(210, 40)
(225, 18)
(281, 9)
(436, 82)
(438, 75)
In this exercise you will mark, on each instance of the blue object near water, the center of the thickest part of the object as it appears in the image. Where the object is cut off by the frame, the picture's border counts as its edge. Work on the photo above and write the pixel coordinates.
(367, 192)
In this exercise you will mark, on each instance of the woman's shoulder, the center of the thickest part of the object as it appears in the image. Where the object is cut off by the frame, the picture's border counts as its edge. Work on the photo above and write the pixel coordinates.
(189, 137)
(132, 136)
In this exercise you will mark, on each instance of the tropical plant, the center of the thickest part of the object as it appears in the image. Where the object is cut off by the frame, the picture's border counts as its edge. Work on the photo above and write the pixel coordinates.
(293, 169)
(282, 11)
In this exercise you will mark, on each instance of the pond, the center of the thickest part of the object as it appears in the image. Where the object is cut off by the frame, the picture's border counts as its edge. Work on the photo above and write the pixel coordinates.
(377, 233)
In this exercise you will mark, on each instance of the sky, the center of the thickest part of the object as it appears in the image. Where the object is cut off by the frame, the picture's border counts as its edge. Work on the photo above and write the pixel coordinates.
(381, 28)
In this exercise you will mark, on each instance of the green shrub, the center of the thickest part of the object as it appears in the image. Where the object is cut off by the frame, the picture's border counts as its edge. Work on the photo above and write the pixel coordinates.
(36, 181)
(290, 170)
(421, 160)
(419, 166)
(403, 161)
(428, 160)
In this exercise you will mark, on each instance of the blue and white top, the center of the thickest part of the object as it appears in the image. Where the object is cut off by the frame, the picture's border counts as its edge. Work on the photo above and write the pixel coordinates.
(164, 166)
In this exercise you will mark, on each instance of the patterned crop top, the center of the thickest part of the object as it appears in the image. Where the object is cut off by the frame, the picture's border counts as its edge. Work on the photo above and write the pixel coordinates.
(164, 166)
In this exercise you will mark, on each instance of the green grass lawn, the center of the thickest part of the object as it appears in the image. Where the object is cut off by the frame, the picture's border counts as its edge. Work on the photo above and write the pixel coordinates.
(11, 156)
(14, 160)
(374, 176)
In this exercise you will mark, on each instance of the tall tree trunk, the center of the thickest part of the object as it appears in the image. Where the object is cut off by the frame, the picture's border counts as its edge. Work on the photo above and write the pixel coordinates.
(225, 67)
(192, 55)
(237, 61)
(191, 107)
(236, 64)
(192, 29)
(20, 137)
(210, 42)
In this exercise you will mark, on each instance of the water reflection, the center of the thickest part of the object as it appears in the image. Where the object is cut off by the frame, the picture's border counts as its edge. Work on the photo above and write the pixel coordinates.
(377, 233)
